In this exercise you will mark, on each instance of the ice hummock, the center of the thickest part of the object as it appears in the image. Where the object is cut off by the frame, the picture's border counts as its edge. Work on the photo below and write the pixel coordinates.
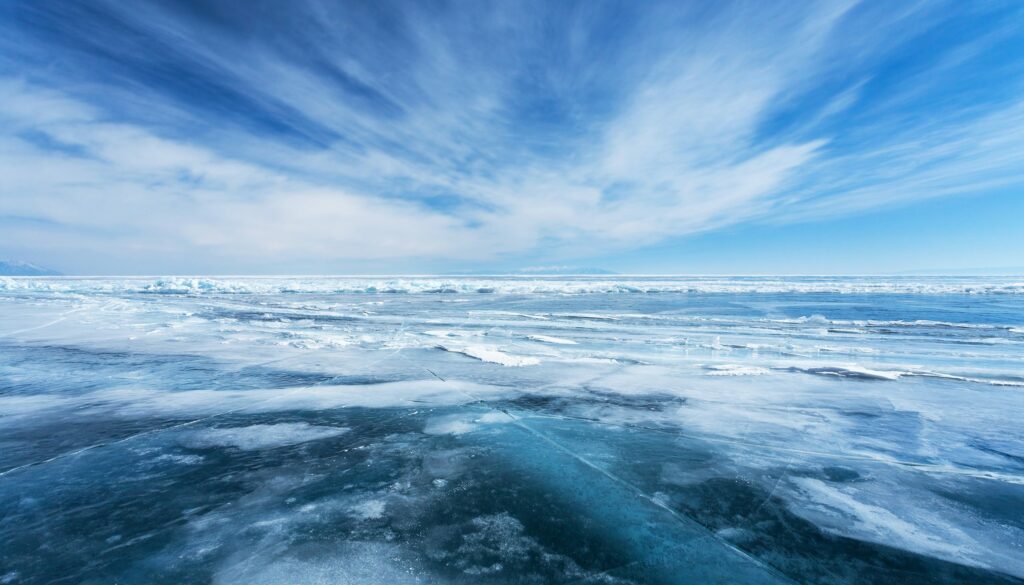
(974, 285)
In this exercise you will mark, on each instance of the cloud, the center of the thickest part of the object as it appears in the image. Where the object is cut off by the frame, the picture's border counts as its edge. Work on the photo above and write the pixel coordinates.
(126, 185)
(316, 133)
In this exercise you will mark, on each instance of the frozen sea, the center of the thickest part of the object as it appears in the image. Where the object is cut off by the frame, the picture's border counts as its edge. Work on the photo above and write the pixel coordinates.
(512, 430)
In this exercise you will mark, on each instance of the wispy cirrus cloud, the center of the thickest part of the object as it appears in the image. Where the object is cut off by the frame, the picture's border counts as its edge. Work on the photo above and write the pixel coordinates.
(252, 137)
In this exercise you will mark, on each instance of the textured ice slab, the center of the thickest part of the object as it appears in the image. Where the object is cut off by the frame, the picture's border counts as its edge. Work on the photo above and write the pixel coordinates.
(511, 430)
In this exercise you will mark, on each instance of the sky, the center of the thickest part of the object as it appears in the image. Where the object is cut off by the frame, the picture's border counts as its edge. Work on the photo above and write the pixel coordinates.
(717, 137)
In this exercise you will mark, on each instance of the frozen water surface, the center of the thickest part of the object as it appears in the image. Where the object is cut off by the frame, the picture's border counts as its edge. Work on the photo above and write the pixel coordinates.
(512, 430)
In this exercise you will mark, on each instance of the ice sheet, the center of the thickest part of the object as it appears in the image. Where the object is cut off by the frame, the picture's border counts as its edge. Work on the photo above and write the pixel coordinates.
(509, 430)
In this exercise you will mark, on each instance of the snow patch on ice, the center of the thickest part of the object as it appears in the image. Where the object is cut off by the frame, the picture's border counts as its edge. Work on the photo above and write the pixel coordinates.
(140, 402)
(349, 563)
(180, 459)
(859, 372)
(369, 510)
(549, 339)
(850, 371)
(448, 425)
(884, 526)
(735, 370)
(458, 424)
(254, 437)
(492, 355)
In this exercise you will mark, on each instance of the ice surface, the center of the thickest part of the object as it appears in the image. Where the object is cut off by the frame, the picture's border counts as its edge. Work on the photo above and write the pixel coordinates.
(512, 430)
(254, 437)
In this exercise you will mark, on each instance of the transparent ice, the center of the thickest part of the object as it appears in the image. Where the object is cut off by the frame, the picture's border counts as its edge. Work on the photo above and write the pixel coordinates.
(512, 430)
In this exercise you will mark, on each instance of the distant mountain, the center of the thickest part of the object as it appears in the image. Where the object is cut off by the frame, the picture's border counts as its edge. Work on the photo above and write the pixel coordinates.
(18, 268)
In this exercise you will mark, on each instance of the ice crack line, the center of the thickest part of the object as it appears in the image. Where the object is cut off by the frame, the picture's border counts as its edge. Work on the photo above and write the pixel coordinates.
(923, 467)
(681, 518)
(62, 317)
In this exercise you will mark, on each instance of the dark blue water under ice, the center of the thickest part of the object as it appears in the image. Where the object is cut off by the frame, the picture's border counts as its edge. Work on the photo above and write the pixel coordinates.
(609, 430)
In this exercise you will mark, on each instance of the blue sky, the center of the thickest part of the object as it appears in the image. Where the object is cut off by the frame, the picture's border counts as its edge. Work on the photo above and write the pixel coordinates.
(372, 137)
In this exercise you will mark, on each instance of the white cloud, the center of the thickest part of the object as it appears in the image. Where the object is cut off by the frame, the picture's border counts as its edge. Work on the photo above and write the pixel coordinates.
(678, 148)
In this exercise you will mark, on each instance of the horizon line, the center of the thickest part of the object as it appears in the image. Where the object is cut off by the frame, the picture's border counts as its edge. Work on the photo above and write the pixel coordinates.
(522, 275)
